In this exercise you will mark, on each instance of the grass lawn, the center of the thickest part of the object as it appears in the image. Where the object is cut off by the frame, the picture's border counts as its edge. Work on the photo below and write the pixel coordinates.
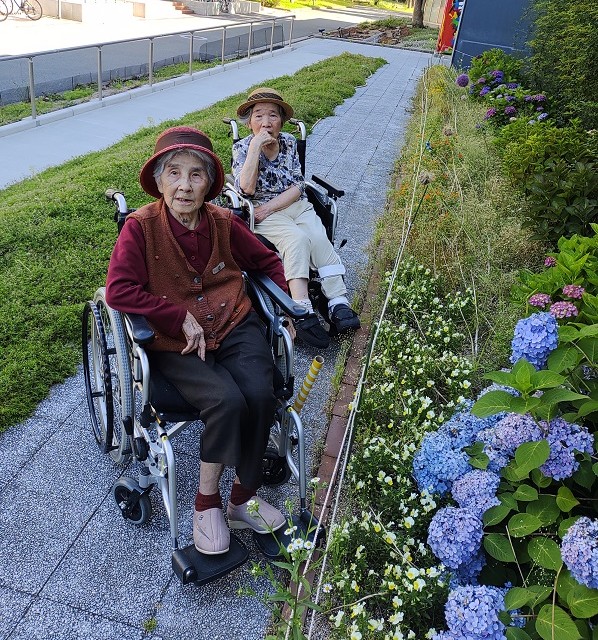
(57, 233)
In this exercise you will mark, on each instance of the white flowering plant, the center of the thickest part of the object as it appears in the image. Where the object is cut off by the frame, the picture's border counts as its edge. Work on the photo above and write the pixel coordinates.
(383, 580)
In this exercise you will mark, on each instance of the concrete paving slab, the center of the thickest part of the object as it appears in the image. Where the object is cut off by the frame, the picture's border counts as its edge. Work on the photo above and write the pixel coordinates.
(13, 606)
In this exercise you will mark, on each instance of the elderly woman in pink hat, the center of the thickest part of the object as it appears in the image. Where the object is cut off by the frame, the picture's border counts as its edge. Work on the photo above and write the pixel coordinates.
(267, 170)
(178, 262)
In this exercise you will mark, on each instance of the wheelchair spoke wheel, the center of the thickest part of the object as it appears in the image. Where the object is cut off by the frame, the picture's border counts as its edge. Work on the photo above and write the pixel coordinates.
(4, 11)
(135, 506)
(121, 380)
(96, 371)
(32, 9)
(275, 469)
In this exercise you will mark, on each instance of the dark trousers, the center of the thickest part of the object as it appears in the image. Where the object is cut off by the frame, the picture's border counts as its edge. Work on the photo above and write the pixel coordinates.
(233, 391)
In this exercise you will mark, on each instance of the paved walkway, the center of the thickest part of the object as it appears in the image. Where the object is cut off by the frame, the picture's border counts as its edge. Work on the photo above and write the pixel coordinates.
(70, 566)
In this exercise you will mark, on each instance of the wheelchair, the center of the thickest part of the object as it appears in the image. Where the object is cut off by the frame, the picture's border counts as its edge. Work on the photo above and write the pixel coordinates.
(322, 195)
(136, 413)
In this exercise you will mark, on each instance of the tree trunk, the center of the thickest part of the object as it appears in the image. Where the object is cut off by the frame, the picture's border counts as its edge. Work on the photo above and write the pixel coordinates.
(418, 13)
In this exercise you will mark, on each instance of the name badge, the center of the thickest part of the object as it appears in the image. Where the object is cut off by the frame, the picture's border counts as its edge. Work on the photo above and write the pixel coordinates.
(218, 268)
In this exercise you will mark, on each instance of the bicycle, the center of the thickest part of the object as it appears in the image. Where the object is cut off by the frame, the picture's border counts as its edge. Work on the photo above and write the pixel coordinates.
(31, 8)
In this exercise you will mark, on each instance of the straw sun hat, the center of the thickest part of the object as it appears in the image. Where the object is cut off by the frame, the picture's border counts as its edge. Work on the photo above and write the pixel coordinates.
(265, 94)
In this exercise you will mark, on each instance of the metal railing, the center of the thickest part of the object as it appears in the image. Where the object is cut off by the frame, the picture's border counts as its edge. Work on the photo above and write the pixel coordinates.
(31, 57)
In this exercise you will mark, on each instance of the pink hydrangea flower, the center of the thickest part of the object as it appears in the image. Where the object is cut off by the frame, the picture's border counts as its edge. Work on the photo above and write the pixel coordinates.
(549, 262)
(539, 300)
(573, 291)
(563, 310)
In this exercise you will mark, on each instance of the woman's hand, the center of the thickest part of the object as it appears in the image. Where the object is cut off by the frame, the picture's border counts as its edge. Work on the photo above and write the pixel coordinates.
(195, 337)
(265, 141)
(261, 213)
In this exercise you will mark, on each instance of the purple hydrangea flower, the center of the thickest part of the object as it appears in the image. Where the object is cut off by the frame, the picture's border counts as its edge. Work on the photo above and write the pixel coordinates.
(472, 613)
(484, 91)
(476, 491)
(490, 113)
(540, 97)
(542, 116)
(510, 110)
(573, 291)
(462, 80)
(528, 98)
(565, 440)
(498, 76)
(579, 551)
(437, 463)
(481, 80)
(468, 573)
(512, 85)
(462, 427)
(550, 261)
(539, 108)
(535, 337)
(563, 309)
(510, 98)
(455, 536)
(539, 300)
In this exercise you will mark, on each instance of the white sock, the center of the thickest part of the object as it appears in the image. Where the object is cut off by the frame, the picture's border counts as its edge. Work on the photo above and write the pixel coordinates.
(306, 302)
(338, 300)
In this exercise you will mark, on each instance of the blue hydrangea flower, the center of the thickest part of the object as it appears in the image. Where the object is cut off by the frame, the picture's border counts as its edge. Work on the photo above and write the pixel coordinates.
(565, 439)
(579, 551)
(463, 427)
(502, 440)
(535, 338)
(437, 464)
(455, 536)
(472, 613)
(476, 491)
(468, 573)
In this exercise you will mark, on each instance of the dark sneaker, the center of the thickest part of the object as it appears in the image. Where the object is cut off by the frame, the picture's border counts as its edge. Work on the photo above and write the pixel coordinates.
(342, 319)
(312, 332)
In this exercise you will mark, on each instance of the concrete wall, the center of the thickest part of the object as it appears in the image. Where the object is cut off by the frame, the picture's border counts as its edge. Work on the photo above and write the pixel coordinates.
(203, 8)
(245, 6)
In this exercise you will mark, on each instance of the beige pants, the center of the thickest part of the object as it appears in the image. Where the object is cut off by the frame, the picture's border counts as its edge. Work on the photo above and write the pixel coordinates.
(301, 240)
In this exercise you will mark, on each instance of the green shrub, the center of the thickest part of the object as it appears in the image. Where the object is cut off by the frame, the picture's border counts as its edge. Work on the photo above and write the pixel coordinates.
(564, 61)
(495, 59)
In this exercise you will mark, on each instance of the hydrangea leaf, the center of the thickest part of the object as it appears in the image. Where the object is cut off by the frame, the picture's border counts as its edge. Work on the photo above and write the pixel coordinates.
(589, 347)
(524, 405)
(567, 333)
(545, 509)
(585, 476)
(545, 552)
(553, 396)
(587, 407)
(540, 594)
(505, 378)
(514, 633)
(595, 468)
(523, 372)
(565, 584)
(491, 403)
(522, 524)
(525, 493)
(584, 629)
(563, 358)
(583, 601)
(508, 500)
(565, 499)
(517, 597)
(553, 622)
(532, 455)
(498, 546)
(588, 330)
(539, 479)
(546, 379)
(495, 514)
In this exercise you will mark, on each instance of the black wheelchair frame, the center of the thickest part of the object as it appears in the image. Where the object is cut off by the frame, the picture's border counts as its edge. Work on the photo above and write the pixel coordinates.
(135, 415)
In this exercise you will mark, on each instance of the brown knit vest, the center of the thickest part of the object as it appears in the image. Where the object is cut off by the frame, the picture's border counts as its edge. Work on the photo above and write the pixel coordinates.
(215, 297)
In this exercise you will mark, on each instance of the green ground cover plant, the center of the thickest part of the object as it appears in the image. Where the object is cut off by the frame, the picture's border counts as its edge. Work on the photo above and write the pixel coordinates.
(57, 233)
(56, 101)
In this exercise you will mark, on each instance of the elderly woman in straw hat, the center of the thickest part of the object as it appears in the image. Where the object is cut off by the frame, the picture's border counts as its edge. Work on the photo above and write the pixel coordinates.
(178, 262)
(266, 169)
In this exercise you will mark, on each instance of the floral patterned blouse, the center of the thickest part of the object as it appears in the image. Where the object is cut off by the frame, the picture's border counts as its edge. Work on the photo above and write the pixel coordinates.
(274, 176)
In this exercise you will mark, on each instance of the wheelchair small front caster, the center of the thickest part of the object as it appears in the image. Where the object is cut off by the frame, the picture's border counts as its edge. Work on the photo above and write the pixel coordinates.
(275, 468)
(132, 501)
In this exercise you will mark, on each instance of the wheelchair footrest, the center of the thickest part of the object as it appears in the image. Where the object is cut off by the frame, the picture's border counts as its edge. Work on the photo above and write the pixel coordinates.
(191, 566)
(271, 544)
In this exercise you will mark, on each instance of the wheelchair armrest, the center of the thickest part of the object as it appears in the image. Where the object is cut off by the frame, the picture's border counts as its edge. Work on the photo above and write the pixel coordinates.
(141, 332)
(333, 192)
(271, 289)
